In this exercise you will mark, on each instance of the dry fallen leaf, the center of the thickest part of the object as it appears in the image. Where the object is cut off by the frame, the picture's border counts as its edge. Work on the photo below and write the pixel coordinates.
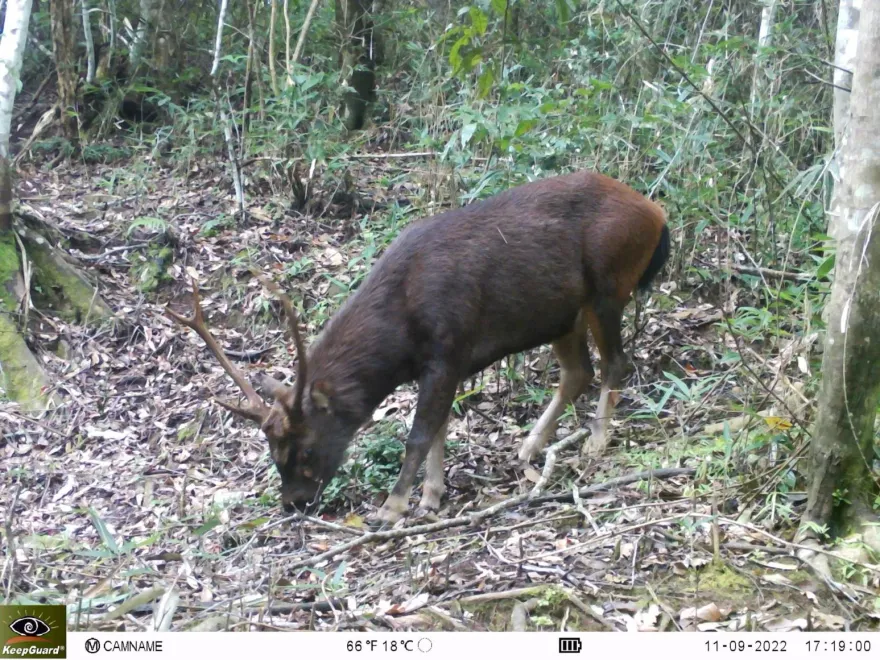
(709, 612)
(532, 474)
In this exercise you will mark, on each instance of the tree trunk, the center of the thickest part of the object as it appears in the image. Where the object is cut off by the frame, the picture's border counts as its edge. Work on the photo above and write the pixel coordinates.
(846, 42)
(842, 491)
(21, 376)
(273, 75)
(90, 42)
(114, 23)
(358, 60)
(145, 21)
(765, 40)
(63, 45)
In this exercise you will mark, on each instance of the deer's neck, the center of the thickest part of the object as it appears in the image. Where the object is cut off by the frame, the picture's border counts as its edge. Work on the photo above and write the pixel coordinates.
(363, 355)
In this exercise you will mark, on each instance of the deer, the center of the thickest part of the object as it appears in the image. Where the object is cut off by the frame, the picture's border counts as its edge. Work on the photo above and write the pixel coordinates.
(547, 262)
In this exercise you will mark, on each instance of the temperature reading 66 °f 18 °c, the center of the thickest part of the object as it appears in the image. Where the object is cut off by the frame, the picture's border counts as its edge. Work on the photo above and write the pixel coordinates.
(389, 646)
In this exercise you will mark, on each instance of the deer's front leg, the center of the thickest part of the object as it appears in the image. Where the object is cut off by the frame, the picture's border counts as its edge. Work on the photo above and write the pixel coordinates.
(436, 392)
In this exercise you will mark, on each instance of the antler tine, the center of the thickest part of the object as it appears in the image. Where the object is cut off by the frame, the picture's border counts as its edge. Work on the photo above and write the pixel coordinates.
(293, 322)
(257, 410)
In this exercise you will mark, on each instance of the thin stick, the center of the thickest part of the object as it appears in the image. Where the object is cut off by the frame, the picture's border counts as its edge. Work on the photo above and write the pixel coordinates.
(10, 542)
(660, 473)
(550, 461)
(413, 154)
(477, 517)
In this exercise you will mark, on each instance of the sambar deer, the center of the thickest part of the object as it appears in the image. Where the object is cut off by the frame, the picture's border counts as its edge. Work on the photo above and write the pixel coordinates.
(544, 262)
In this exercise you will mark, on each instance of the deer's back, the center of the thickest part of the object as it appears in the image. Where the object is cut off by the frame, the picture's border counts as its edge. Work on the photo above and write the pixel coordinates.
(512, 272)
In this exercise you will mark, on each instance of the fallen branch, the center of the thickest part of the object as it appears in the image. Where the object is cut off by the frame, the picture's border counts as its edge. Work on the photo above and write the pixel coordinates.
(660, 473)
(490, 596)
(44, 122)
(772, 272)
(582, 606)
(113, 250)
(413, 154)
(476, 518)
(472, 519)
(519, 616)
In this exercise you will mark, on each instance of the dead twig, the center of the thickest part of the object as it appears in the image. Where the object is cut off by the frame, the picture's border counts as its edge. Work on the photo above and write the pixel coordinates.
(106, 253)
(660, 473)
(488, 597)
(519, 616)
(412, 154)
(478, 517)
(10, 542)
(472, 519)
(582, 606)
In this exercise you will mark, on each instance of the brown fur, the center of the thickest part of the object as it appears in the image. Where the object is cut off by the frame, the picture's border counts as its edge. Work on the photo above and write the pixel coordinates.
(453, 294)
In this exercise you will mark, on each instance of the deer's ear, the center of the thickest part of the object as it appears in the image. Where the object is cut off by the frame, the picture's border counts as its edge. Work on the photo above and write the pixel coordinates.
(278, 391)
(321, 394)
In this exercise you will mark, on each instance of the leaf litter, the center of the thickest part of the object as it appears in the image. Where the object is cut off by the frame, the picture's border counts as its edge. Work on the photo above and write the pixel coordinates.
(143, 505)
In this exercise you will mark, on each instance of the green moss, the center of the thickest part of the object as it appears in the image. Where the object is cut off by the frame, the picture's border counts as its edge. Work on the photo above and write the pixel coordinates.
(153, 269)
(9, 267)
(59, 286)
(719, 578)
(553, 606)
(22, 377)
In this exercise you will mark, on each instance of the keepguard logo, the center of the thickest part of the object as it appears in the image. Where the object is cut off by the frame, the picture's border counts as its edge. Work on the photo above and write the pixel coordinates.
(33, 631)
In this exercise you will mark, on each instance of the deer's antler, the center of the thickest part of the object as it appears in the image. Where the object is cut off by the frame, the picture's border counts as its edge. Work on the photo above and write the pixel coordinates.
(257, 409)
(293, 322)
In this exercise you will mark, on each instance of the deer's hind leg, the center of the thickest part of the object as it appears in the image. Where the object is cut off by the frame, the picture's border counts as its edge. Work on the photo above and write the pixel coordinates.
(433, 487)
(604, 320)
(576, 372)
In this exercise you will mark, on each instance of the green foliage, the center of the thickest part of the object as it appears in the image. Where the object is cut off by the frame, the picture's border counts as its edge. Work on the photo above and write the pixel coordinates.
(372, 466)
(216, 225)
(151, 269)
(105, 153)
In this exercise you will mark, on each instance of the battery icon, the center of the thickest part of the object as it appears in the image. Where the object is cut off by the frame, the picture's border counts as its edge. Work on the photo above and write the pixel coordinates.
(570, 645)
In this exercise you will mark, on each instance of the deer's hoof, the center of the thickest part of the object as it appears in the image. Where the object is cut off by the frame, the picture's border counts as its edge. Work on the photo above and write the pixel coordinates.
(528, 451)
(430, 500)
(596, 443)
(426, 515)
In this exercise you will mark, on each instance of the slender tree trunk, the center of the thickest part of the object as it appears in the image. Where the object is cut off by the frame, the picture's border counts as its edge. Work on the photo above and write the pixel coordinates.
(64, 45)
(765, 40)
(287, 64)
(225, 120)
(273, 75)
(111, 12)
(842, 491)
(21, 376)
(90, 42)
(140, 38)
(846, 43)
(248, 75)
(301, 41)
(358, 60)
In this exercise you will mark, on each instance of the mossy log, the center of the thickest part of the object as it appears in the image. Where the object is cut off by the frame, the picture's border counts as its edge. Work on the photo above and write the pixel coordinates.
(57, 285)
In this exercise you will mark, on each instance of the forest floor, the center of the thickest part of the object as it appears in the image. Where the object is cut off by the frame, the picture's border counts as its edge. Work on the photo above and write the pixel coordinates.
(139, 485)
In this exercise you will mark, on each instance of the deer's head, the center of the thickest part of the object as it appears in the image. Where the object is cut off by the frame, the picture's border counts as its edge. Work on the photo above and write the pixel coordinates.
(306, 439)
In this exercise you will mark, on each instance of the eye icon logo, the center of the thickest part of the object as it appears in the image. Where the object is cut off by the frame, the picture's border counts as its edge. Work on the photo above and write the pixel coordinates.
(29, 628)
(33, 631)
